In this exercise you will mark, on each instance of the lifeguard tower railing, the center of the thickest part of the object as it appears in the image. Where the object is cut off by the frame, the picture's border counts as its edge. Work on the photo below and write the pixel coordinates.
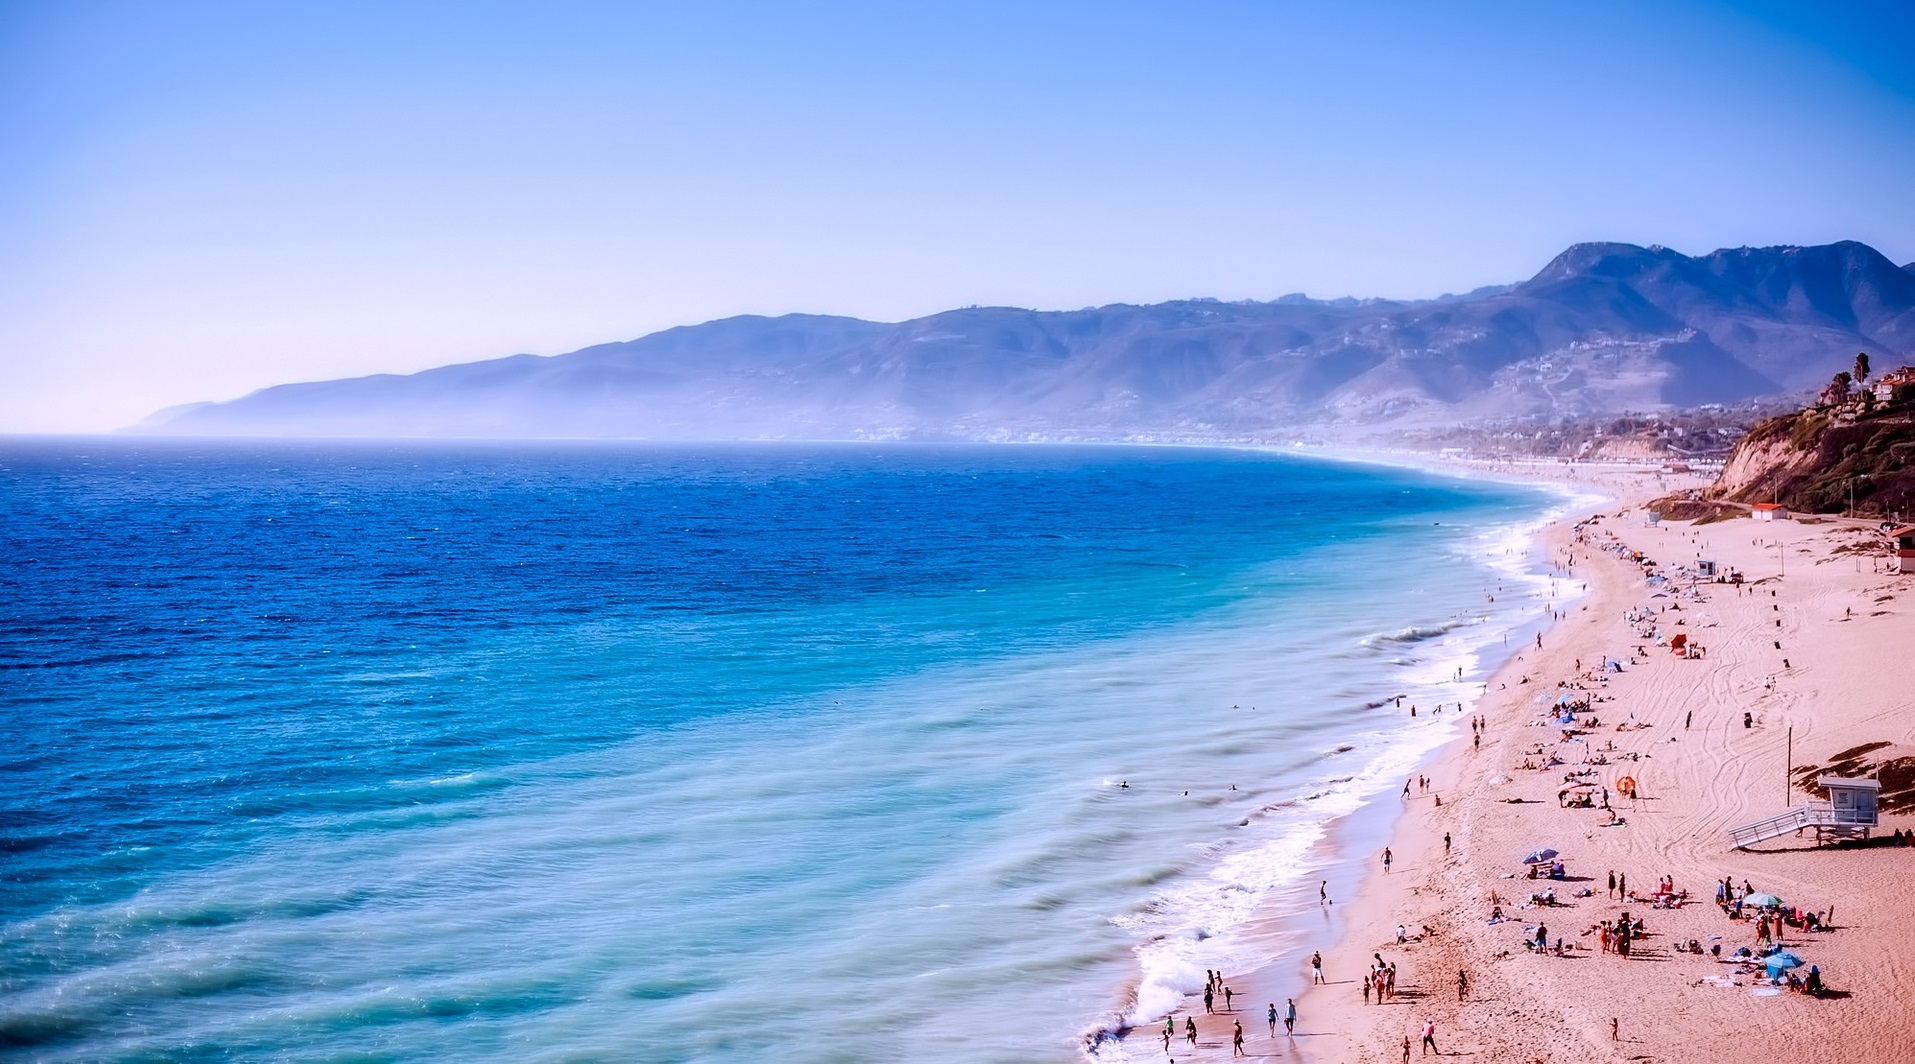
(1816, 814)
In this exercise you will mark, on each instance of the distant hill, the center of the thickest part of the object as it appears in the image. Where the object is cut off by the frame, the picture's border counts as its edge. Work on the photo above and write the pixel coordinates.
(1602, 328)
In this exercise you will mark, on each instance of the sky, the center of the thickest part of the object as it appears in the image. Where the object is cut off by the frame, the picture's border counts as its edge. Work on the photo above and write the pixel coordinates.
(199, 199)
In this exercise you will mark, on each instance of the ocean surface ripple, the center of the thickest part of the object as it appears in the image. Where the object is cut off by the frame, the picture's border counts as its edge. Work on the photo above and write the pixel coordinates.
(473, 752)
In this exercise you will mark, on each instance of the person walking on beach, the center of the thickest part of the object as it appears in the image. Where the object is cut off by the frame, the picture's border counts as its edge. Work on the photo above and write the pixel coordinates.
(1406, 1049)
(1323, 893)
(1612, 882)
(1170, 1027)
(1429, 1037)
(1462, 985)
(1386, 858)
(1236, 1043)
(1226, 1000)
(1190, 1029)
(1273, 1019)
(1210, 1000)
(1289, 1015)
(1316, 968)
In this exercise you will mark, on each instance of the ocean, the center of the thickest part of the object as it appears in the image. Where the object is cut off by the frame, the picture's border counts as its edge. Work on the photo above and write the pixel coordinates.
(383, 751)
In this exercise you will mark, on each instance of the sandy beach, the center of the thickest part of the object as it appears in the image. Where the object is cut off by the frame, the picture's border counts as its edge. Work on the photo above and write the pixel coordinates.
(1805, 659)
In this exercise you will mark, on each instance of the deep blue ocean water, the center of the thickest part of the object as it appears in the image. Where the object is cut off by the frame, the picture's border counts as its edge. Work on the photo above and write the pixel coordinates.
(433, 751)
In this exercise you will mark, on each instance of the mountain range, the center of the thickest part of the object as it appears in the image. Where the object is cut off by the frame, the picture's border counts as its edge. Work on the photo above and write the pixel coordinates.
(1603, 328)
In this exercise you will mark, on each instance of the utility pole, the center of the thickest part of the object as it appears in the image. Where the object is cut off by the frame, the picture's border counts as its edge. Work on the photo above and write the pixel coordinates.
(1788, 766)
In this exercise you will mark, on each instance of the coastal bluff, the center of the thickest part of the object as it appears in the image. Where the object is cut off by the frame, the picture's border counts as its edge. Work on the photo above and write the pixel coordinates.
(1826, 459)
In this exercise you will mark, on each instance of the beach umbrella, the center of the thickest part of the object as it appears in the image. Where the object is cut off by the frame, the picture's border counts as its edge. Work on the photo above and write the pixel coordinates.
(1781, 960)
(1763, 901)
(1541, 856)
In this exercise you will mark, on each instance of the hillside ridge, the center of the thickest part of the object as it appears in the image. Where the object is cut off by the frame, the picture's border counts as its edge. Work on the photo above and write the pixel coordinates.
(1601, 328)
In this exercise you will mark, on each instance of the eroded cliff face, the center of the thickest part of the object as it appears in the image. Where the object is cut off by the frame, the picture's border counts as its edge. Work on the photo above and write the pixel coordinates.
(1761, 462)
(1810, 462)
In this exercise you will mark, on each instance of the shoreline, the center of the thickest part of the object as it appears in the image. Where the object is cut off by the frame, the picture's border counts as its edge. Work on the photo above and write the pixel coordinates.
(1291, 922)
(1840, 678)
(1417, 850)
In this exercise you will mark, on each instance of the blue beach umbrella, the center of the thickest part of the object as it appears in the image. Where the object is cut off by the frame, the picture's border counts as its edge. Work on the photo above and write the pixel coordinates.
(1781, 960)
(1540, 856)
(1763, 901)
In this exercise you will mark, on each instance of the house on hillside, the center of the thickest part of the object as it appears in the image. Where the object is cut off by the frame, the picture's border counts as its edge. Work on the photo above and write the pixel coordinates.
(1888, 383)
(1769, 511)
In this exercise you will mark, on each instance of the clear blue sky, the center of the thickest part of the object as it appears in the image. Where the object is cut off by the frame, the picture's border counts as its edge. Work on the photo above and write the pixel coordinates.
(199, 198)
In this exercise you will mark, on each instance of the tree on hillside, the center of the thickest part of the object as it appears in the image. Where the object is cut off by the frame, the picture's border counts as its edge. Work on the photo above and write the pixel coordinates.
(1838, 389)
(1861, 367)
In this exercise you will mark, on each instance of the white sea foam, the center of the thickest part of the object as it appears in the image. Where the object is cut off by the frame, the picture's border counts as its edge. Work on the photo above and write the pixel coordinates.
(1199, 925)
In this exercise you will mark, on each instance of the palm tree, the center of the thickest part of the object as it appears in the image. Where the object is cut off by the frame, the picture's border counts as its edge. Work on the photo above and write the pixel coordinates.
(1861, 366)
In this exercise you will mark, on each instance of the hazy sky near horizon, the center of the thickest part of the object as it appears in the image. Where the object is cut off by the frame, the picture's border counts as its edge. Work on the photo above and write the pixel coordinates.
(203, 198)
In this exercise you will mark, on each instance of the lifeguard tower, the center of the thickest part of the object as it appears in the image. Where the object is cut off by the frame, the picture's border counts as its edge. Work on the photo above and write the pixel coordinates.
(1848, 813)
(1901, 549)
(1851, 802)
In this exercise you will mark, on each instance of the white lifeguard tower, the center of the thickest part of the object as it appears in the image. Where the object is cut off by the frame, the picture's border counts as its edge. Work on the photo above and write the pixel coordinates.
(1901, 558)
(1848, 813)
(1851, 802)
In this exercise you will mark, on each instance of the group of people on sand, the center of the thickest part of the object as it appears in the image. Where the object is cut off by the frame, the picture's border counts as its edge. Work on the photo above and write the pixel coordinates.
(1214, 988)
(1615, 936)
(1380, 983)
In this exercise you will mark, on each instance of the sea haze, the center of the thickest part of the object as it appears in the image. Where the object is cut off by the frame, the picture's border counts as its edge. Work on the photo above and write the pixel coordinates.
(472, 752)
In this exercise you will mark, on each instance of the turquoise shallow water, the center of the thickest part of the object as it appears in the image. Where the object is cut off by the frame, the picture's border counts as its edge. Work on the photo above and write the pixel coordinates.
(578, 752)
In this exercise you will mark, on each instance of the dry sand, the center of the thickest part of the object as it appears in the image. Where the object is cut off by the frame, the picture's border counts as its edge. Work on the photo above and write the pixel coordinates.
(1848, 636)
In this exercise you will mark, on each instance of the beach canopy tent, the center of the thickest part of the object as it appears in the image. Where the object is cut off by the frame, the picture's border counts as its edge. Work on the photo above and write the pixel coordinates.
(1542, 856)
(1763, 901)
